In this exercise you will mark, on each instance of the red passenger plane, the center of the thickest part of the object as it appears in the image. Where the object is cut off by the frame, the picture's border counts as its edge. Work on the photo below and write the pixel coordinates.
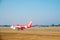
(22, 26)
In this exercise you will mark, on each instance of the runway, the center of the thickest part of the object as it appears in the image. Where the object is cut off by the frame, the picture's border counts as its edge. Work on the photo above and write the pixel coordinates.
(30, 34)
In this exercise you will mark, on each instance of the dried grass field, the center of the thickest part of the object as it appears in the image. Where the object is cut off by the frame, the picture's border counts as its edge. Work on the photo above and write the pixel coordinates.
(52, 33)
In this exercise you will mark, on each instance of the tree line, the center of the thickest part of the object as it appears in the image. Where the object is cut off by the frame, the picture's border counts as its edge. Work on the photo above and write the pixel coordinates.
(52, 25)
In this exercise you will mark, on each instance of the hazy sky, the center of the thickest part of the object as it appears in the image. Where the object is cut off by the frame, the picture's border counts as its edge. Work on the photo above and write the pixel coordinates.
(22, 11)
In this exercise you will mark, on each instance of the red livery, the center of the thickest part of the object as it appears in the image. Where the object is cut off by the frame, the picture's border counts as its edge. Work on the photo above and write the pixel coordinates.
(22, 26)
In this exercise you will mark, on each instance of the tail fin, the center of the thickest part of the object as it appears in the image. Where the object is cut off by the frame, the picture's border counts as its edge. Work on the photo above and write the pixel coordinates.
(30, 24)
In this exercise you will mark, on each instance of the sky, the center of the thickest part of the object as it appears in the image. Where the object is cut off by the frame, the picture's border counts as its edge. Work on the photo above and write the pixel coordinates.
(41, 12)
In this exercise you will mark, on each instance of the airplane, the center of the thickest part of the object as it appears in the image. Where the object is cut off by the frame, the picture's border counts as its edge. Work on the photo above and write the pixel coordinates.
(22, 26)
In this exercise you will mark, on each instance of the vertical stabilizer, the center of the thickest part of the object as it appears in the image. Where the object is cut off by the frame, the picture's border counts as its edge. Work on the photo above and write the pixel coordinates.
(30, 24)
